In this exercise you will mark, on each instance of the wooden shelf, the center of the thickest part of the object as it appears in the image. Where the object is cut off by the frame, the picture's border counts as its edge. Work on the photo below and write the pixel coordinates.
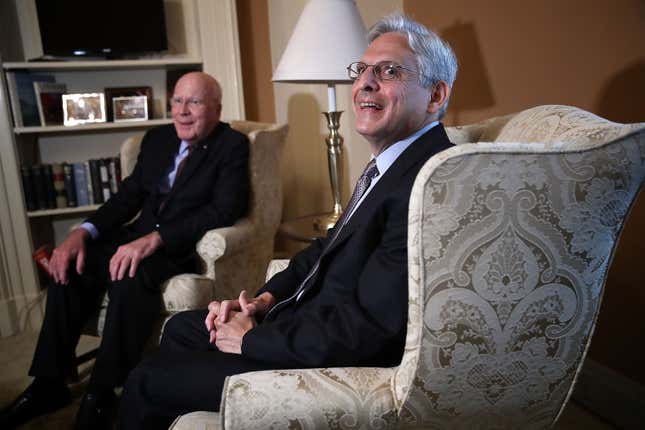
(103, 64)
(62, 211)
(50, 129)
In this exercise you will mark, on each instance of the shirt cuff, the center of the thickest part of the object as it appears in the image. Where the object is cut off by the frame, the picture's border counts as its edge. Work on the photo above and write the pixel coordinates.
(91, 229)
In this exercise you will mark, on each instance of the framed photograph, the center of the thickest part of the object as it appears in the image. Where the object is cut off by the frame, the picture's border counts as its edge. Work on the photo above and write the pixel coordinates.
(112, 92)
(132, 108)
(50, 103)
(83, 108)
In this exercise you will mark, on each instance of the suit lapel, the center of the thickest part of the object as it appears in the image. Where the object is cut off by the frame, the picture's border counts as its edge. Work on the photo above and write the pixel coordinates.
(193, 161)
(427, 145)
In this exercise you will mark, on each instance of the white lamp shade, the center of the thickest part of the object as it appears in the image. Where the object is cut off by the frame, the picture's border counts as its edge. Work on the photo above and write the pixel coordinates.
(329, 35)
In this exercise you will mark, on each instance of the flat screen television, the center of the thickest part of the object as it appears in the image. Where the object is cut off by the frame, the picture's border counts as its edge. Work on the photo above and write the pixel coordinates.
(103, 28)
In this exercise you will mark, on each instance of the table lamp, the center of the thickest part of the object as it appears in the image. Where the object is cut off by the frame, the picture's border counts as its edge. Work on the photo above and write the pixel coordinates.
(329, 35)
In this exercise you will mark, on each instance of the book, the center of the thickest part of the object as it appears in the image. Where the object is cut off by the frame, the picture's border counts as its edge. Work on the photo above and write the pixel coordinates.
(31, 201)
(41, 257)
(70, 185)
(88, 178)
(80, 184)
(14, 100)
(114, 167)
(59, 185)
(49, 97)
(39, 186)
(23, 97)
(95, 178)
(105, 179)
(50, 191)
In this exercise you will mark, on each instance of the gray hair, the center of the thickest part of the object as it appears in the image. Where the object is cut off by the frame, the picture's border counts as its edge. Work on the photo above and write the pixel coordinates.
(435, 59)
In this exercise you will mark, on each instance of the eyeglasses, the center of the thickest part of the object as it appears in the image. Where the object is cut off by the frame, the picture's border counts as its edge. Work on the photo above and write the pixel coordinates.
(384, 70)
(192, 102)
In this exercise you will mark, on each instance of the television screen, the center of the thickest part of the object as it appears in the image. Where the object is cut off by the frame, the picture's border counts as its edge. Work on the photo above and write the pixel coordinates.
(107, 28)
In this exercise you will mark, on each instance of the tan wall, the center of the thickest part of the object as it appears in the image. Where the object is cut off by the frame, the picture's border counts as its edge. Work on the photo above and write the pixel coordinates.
(253, 24)
(586, 53)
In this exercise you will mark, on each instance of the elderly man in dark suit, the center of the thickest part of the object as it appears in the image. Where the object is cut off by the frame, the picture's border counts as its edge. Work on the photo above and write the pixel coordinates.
(190, 177)
(343, 300)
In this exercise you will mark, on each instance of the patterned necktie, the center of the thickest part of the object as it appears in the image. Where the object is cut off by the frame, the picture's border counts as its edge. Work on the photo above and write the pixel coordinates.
(363, 183)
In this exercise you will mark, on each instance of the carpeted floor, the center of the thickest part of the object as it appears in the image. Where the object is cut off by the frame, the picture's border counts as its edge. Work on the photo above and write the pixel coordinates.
(15, 358)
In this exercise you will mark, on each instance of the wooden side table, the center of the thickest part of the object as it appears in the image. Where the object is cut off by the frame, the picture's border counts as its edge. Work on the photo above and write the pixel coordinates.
(302, 228)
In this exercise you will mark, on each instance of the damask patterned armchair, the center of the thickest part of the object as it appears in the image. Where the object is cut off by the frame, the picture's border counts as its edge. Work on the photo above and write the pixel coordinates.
(248, 243)
(509, 246)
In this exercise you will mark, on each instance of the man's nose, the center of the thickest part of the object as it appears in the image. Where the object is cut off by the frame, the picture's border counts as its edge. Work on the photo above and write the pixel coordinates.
(183, 108)
(367, 80)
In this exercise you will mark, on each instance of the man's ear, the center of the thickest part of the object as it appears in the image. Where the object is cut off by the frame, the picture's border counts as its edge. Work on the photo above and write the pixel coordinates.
(438, 97)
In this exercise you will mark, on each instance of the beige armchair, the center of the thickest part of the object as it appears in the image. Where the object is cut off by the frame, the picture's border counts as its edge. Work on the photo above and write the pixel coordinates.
(509, 245)
(223, 251)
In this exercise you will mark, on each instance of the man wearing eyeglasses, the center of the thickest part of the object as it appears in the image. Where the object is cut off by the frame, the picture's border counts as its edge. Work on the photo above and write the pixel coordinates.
(190, 177)
(343, 300)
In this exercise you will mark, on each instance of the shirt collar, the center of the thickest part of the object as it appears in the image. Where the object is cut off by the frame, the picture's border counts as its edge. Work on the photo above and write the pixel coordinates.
(386, 158)
(183, 147)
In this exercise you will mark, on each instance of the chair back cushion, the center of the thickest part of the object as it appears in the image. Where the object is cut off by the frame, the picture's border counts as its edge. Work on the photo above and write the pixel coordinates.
(267, 143)
(509, 246)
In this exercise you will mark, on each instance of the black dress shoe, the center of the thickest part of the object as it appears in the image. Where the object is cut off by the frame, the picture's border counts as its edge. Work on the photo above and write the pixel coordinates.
(96, 412)
(38, 399)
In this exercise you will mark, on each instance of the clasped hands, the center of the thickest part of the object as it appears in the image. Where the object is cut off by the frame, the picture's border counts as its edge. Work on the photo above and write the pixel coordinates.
(126, 258)
(228, 321)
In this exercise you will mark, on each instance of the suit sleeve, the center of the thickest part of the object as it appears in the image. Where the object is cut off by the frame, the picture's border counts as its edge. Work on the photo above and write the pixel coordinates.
(127, 202)
(228, 201)
(368, 328)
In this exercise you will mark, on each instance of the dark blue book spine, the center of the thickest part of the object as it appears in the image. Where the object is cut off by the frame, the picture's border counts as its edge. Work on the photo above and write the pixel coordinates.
(31, 201)
(70, 185)
(80, 184)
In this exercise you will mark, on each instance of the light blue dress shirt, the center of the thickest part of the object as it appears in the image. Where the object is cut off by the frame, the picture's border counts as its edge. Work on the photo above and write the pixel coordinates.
(386, 158)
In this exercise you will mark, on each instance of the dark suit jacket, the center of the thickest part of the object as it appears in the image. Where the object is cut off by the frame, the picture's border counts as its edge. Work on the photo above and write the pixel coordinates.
(355, 311)
(211, 191)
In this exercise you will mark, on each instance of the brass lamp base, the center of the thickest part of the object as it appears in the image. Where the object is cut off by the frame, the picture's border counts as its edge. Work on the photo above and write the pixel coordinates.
(334, 151)
(324, 222)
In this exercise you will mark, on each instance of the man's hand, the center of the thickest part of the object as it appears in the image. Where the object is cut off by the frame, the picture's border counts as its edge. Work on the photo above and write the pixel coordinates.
(223, 311)
(73, 247)
(230, 334)
(127, 257)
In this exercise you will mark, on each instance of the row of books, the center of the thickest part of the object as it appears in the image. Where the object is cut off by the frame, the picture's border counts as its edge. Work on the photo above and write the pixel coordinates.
(63, 185)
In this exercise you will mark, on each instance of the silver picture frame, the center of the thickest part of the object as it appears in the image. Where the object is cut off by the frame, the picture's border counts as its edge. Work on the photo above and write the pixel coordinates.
(83, 108)
(130, 108)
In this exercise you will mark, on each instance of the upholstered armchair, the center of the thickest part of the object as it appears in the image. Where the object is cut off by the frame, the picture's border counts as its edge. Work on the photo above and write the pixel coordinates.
(509, 245)
(232, 258)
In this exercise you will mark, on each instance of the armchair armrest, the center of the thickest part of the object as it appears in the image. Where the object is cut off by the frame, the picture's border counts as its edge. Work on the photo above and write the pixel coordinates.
(275, 266)
(225, 240)
(315, 398)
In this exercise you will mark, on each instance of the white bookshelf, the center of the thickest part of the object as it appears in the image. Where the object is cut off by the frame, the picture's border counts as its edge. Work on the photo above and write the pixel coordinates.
(103, 64)
(86, 128)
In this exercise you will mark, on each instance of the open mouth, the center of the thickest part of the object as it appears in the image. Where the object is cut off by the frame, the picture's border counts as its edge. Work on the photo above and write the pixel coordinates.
(370, 106)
